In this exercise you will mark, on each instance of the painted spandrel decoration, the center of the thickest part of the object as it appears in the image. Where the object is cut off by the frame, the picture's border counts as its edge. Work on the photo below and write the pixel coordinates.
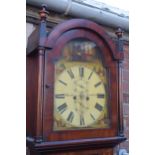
(80, 91)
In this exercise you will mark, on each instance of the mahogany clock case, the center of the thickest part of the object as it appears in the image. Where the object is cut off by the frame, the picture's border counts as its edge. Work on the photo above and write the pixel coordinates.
(42, 54)
(49, 80)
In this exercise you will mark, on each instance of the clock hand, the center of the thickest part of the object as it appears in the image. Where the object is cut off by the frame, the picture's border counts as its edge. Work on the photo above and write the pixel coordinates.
(81, 86)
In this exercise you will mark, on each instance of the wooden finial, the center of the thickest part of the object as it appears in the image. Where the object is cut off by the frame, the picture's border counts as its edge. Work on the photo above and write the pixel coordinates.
(43, 13)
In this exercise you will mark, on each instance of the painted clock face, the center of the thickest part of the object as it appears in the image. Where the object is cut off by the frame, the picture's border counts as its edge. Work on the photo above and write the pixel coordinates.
(79, 96)
(80, 93)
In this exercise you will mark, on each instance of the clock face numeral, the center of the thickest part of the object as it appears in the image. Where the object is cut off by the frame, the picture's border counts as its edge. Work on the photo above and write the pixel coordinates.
(92, 116)
(64, 83)
(70, 117)
(82, 122)
(60, 96)
(81, 71)
(62, 107)
(63, 66)
(98, 107)
(90, 75)
(97, 84)
(100, 95)
(70, 73)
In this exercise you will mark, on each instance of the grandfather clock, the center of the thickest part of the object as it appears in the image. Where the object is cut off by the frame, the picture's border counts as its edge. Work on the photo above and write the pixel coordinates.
(73, 89)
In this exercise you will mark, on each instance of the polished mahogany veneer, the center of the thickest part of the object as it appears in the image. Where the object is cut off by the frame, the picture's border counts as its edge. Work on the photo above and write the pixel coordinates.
(42, 51)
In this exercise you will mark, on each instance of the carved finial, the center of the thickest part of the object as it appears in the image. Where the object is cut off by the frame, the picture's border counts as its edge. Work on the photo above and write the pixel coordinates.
(119, 32)
(43, 13)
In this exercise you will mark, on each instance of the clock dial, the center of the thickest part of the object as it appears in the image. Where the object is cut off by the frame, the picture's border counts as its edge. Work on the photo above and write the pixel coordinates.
(80, 96)
(80, 87)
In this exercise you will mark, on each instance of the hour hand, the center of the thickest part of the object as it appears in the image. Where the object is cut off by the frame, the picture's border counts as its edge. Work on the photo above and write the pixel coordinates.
(81, 86)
